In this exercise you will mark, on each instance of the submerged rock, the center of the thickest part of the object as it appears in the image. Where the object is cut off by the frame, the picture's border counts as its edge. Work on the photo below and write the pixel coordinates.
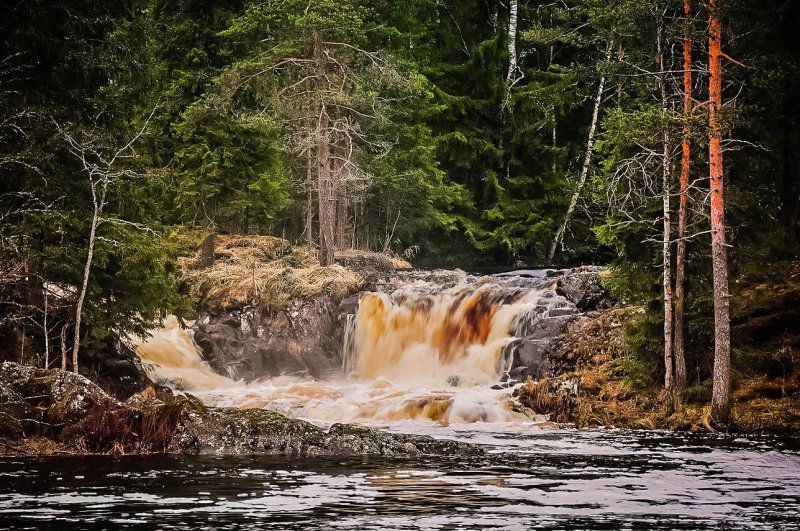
(74, 412)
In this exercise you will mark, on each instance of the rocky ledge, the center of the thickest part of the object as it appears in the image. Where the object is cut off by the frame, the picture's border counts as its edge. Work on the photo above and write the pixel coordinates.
(61, 412)
(306, 336)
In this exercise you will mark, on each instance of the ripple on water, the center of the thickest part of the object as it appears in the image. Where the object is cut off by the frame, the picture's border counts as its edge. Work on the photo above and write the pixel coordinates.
(547, 478)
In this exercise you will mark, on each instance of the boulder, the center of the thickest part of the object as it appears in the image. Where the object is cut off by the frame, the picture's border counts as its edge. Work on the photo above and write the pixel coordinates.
(584, 288)
(73, 411)
(247, 344)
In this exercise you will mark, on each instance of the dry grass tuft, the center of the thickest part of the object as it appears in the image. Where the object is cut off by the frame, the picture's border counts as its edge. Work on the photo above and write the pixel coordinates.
(33, 446)
(127, 430)
(400, 263)
(267, 271)
(595, 393)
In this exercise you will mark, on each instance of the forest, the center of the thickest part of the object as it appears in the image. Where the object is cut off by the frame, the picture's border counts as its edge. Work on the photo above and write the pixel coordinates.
(488, 135)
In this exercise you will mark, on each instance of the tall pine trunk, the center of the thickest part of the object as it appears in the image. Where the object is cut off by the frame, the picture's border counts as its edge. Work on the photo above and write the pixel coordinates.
(325, 189)
(667, 230)
(679, 358)
(341, 201)
(721, 395)
(46, 329)
(327, 200)
(309, 228)
(586, 163)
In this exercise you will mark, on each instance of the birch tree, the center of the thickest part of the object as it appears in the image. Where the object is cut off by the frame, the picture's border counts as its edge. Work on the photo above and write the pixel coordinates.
(103, 169)
(587, 161)
(666, 190)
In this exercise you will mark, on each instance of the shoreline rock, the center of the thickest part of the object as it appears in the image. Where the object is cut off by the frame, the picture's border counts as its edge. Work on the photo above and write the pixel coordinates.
(61, 412)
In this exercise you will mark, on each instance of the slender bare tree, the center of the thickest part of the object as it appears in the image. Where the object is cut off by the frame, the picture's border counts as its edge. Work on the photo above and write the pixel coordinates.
(103, 169)
(666, 191)
(587, 161)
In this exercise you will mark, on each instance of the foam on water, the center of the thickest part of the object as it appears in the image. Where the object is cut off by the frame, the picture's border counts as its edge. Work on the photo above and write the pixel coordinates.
(408, 355)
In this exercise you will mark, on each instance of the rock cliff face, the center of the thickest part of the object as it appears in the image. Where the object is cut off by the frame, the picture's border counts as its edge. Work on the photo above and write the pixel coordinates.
(249, 344)
(307, 336)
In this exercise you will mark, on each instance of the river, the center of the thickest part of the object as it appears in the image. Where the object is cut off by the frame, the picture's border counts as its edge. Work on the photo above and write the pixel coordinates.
(533, 477)
(423, 360)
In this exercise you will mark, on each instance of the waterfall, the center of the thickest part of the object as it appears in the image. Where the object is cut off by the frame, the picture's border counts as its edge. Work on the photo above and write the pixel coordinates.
(349, 353)
(427, 350)
(171, 358)
(455, 336)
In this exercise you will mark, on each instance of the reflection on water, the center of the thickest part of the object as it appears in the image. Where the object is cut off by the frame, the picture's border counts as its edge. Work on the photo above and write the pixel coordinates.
(544, 478)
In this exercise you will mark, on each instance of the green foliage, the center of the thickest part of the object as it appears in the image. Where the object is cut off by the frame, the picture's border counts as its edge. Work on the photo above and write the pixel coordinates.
(232, 173)
(452, 160)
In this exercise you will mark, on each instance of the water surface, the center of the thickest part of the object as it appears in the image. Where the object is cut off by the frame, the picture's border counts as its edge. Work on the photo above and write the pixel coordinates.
(550, 479)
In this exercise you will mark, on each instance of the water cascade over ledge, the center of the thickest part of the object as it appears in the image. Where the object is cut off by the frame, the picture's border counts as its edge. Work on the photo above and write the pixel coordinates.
(434, 348)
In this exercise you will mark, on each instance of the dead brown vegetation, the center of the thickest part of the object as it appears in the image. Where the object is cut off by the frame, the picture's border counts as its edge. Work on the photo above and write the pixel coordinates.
(268, 271)
(595, 393)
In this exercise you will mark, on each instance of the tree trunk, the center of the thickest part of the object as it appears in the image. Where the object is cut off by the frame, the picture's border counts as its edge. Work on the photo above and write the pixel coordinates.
(512, 43)
(325, 190)
(341, 216)
(46, 331)
(679, 358)
(586, 162)
(327, 199)
(720, 401)
(310, 184)
(667, 228)
(76, 342)
(64, 347)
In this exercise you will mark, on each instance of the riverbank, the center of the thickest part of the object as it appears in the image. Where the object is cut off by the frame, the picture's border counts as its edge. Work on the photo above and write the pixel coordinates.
(49, 412)
(599, 390)
(274, 331)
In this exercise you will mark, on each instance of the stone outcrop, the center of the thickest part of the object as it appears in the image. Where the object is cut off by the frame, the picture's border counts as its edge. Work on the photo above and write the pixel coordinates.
(248, 344)
(566, 297)
(307, 335)
(77, 415)
(304, 336)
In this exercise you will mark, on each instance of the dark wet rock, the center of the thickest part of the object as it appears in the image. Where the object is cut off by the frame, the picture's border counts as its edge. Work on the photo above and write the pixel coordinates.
(583, 287)
(562, 311)
(555, 398)
(73, 411)
(37, 401)
(454, 380)
(519, 373)
(246, 344)
(227, 431)
(550, 327)
(529, 359)
(350, 304)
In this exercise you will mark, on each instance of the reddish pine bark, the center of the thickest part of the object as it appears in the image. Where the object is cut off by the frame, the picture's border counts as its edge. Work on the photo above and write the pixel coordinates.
(679, 358)
(720, 401)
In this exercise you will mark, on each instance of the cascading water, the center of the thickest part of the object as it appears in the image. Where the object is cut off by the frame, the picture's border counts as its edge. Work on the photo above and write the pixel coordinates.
(420, 352)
